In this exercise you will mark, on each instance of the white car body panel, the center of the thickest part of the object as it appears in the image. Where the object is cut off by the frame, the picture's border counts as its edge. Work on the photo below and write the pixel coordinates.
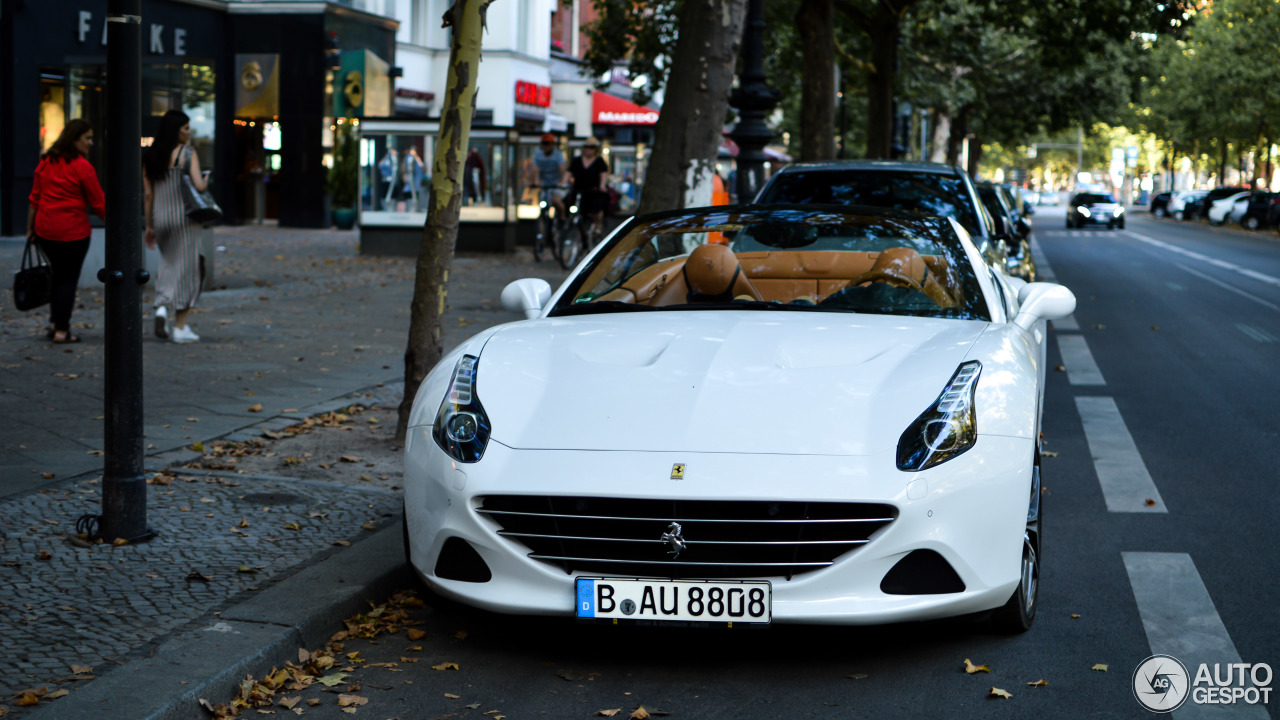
(1221, 209)
(1181, 198)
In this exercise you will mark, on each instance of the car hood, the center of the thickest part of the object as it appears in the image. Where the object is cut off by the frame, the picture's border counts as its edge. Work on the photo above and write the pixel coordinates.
(717, 381)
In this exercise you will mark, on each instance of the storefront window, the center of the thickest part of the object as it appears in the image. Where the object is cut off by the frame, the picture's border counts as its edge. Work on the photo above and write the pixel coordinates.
(395, 176)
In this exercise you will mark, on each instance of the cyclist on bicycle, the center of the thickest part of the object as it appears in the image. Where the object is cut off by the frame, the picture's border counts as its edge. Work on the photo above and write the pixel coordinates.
(590, 175)
(549, 163)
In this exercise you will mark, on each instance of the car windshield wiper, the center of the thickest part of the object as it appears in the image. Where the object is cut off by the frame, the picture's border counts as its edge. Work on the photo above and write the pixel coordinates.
(598, 307)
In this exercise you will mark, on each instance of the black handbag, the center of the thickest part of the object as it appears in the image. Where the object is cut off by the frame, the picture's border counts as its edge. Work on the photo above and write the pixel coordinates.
(33, 284)
(200, 207)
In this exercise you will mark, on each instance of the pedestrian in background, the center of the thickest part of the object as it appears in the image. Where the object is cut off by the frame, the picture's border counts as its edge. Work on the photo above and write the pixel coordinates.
(65, 188)
(178, 281)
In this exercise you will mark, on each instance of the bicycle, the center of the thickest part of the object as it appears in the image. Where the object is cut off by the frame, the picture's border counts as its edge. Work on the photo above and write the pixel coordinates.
(577, 235)
(547, 222)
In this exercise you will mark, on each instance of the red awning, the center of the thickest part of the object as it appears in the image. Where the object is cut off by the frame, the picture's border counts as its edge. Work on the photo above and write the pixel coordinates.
(608, 109)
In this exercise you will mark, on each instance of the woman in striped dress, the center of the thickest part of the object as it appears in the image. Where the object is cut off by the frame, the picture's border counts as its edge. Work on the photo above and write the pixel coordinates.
(178, 282)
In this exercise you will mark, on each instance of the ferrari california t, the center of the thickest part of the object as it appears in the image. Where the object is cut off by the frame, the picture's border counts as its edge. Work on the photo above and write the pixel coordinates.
(744, 415)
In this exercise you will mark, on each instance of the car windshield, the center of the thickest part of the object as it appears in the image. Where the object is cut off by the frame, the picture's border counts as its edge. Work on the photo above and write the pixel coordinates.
(790, 259)
(990, 199)
(924, 192)
(1092, 198)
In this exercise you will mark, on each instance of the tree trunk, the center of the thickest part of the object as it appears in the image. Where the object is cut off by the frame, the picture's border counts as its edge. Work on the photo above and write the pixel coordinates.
(975, 157)
(955, 141)
(884, 31)
(815, 22)
(440, 236)
(690, 127)
(941, 135)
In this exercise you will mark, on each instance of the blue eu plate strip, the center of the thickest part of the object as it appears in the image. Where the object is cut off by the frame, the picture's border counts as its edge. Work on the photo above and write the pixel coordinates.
(586, 598)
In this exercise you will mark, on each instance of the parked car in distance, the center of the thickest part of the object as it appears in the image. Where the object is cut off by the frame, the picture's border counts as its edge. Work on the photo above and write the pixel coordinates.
(1263, 209)
(1160, 204)
(1223, 208)
(923, 187)
(1049, 197)
(1178, 202)
(1094, 208)
(1018, 245)
(1199, 207)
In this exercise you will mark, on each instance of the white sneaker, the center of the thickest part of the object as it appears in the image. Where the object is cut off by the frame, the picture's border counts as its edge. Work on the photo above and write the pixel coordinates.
(162, 323)
(184, 335)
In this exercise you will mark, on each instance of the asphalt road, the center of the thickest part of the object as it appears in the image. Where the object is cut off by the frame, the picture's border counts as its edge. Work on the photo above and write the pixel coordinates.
(1160, 537)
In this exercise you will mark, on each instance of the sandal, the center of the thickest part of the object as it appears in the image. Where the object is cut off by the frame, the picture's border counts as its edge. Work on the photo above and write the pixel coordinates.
(65, 339)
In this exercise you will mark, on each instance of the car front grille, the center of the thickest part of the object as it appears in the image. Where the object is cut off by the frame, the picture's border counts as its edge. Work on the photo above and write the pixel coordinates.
(738, 539)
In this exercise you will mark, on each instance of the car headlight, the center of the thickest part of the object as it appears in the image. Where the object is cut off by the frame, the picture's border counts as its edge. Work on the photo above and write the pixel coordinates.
(462, 427)
(1119, 211)
(1084, 211)
(948, 428)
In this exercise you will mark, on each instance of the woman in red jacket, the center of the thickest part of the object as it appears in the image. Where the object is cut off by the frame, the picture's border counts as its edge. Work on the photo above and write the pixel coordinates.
(65, 185)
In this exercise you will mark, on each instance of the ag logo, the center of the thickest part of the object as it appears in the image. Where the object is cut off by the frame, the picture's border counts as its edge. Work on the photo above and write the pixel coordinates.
(1161, 683)
(353, 89)
(251, 76)
(677, 471)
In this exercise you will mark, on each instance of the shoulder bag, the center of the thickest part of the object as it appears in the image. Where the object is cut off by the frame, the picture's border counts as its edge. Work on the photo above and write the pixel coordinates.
(200, 206)
(33, 284)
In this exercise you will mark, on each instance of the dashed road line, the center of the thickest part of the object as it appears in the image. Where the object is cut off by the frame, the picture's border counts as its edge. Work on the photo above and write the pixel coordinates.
(1181, 620)
(1066, 323)
(1258, 334)
(1216, 262)
(1126, 484)
(1043, 270)
(1081, 368)
(1232, 288)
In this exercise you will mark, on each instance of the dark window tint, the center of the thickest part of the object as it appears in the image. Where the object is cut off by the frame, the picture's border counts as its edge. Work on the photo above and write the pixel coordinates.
(927, 193)
(1091, 198)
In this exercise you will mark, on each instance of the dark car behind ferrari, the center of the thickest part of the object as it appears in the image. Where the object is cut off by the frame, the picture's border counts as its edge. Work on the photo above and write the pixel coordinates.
(1093, 208)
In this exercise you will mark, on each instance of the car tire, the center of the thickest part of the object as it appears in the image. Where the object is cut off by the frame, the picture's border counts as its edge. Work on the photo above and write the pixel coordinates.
(1160, 212)
(1019, 613)
(1121, 225)
(1111, 226)
(1249, 222)
(1179, 216)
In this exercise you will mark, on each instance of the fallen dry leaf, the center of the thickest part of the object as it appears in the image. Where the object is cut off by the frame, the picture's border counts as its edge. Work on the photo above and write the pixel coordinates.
(472, 706)
(461, 635)
(415, 634)
(27, 699)
(62, 692)
(639, 714)
(44, 556)
(349, 459)
(1048, 453)
(343, 543)
(608, 713)
(971, 668)
(81, 669)
(313, 701)
(1039, 683)
(292, 526)
(1100, 667)
(288, 703)
(1060, 368)
(444, 666)
(350, 700)
(331, 680)
(858, 676)
(997, 692)
(1149, 502)
(451, 696)
(256, 408)
(1075, 616)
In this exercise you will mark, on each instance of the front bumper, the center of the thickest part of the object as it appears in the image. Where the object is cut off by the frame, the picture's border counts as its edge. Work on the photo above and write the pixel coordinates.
(971, 511)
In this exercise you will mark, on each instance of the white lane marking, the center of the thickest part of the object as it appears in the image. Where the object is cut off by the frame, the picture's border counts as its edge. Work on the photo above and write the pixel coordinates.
(1043, 270)
(1126, 484)
(1261, 277)
(1232, 288)
(1066, 323)
(1180, 620)
(1081, 369)
(1258, 334)
(1175, 286)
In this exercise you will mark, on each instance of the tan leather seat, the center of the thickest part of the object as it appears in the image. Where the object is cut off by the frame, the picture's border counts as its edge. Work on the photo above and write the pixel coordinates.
(713, 274)
(904, 267)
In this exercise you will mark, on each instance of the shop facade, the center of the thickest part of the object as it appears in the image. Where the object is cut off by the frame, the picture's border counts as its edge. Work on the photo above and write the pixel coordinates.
(267, 158)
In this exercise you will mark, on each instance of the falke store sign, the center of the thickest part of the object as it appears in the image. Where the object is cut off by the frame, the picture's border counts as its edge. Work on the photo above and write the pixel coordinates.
(528, 93)
(177, 38)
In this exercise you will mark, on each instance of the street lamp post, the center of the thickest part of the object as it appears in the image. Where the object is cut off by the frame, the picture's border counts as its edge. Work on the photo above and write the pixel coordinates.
(124, 488)
(754, 100)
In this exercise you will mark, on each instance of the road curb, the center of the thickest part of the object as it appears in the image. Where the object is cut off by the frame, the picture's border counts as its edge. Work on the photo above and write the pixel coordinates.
(266, 630)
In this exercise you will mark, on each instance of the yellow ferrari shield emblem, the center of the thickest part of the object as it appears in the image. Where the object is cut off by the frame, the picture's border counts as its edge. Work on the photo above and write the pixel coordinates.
(677, 471)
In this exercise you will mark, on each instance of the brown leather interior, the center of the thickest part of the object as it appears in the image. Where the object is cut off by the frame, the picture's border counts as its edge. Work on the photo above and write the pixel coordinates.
(714, 274)
(781, 276)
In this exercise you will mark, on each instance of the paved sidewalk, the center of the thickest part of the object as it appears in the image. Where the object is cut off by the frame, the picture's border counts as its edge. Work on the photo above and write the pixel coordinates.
(300, 325)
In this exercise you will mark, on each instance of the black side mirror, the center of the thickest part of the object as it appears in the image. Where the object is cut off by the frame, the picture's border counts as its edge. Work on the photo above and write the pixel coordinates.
(1028, 209)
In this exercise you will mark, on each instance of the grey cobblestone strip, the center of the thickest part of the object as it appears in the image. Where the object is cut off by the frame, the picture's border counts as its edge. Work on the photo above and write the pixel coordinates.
(62, 605)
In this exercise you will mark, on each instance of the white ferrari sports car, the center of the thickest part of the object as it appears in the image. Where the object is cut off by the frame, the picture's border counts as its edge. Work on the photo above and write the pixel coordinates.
(741, 415)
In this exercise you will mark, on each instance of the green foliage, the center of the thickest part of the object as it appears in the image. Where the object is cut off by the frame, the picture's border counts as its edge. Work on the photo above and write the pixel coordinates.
(344, 177)
(638, 32)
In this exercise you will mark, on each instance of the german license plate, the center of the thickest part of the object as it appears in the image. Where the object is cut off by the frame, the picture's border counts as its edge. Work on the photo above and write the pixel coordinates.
(675, 600)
